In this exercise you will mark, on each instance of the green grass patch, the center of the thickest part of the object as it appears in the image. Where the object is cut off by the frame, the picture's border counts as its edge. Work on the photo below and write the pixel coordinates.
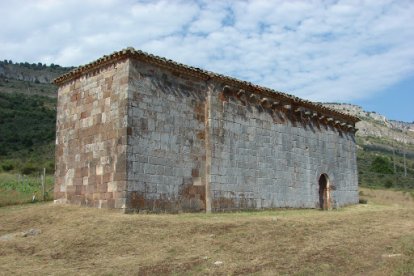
(18, 189)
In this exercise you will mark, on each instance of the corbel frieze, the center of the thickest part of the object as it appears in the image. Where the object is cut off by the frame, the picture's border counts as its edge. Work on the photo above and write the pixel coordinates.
(284, 106)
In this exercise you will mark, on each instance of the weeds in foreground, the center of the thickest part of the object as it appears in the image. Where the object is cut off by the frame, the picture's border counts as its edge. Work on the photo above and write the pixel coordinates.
(17, 189)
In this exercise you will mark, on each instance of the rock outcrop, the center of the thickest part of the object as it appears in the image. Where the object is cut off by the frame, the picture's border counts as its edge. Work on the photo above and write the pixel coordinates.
(377, 125)
(31, 72)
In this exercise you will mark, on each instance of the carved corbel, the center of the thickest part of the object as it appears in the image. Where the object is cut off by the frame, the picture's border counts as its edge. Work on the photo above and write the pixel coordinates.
(253, 98)
(227, 91)
(275, 104)
(241, 94)
(265, 102)
(298, 110)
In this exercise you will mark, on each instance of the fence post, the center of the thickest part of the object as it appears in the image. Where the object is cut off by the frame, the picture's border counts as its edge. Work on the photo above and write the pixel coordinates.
(43, 183)
(405, 165)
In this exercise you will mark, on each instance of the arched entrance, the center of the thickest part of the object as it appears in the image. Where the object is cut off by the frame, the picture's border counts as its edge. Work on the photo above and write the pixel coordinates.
(324, 196)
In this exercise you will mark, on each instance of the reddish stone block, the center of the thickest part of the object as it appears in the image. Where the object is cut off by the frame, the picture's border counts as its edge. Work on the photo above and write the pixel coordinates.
(87, 140)
(78, 181)
(195, 173)
(85, 114)
(123, 80)
(120, 176)
(120, 166)
(90, 189)
(89, 99)
(106, 177)
(121, 186)
(79, 189)
(106, 94)
(102, 188)
(58, 194)
(111, 203)
(84, 171)
(74, 97)
(98, 118)
(121, 194)
(70, 189)
(78, 172)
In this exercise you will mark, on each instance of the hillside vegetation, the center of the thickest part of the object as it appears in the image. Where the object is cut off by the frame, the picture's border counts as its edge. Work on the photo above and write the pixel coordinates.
(31, 72)
(385, 149)
(27, 116)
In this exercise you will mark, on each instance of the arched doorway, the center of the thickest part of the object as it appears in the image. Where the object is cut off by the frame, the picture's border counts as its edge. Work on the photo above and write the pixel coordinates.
(324, 196)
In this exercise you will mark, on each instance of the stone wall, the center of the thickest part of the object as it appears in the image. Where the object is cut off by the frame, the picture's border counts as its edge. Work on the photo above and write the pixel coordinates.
(271, 157)
(91, 131)
(185, 133)
(166, 145)
(139, 135)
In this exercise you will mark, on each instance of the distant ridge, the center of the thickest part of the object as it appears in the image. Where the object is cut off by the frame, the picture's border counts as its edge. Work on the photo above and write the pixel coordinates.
(35, 72)
(377, 125)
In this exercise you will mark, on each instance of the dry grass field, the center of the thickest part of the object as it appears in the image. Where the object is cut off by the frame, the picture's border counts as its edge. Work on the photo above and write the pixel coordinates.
(369, 239)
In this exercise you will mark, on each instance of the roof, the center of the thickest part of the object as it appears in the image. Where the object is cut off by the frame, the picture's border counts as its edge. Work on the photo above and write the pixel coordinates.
(198, 73)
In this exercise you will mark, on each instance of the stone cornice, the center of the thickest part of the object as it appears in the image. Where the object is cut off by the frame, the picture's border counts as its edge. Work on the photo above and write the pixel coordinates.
(200, 74)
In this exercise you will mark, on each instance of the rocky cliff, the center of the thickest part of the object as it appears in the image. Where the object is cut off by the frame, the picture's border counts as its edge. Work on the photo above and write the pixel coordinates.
(377, 125)
(37, 73)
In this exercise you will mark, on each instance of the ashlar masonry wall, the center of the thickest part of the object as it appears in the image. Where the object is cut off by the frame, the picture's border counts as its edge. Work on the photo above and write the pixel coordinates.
(166, 146)
(193, 147)
(266, 157)
(137, 132)
(91, 138)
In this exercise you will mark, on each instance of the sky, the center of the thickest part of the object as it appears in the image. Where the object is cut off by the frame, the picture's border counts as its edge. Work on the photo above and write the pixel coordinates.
(359, 52)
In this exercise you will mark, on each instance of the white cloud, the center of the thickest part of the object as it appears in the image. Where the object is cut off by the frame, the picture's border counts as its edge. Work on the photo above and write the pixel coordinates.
(320, 50)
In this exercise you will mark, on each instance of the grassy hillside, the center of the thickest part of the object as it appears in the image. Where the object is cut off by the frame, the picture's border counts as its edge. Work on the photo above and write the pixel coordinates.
(27, 88)
(371, 239)
(27, 127)
(27, 116)
(376, 160)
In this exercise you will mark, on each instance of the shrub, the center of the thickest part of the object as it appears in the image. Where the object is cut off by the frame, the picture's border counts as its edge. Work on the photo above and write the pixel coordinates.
(29, 168)
(382, 165)
(50, 167)
(7, 166)
(388, 184)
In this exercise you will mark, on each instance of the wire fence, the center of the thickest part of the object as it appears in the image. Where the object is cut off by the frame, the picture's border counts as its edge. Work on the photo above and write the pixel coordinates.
(20, 188)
